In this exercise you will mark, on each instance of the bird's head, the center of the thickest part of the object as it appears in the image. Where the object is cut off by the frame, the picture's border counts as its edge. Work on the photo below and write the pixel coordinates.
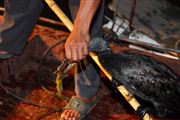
(98, 44)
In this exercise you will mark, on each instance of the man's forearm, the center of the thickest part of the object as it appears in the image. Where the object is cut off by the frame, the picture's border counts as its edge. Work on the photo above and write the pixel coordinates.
(86, 13)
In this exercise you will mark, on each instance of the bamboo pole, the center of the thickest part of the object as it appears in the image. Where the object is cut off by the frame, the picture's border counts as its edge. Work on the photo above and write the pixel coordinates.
(55, 8)
(130, 99)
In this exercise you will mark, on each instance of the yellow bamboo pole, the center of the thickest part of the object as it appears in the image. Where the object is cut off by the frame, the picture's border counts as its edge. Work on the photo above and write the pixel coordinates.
(55, 8)
(130, 99)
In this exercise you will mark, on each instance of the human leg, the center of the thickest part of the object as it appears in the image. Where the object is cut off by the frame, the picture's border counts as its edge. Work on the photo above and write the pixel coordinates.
(19, 19)
(87, 79)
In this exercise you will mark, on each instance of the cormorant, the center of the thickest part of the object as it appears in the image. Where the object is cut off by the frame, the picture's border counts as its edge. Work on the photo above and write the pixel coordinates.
(143, 76)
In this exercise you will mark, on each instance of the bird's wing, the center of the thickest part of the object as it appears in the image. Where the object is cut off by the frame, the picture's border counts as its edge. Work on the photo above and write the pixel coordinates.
(147, 80)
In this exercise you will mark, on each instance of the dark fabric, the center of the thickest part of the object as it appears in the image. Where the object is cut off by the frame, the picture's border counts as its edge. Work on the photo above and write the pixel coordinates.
(19, 19)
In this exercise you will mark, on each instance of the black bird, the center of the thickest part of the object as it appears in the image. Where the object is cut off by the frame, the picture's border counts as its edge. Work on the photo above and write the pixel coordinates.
(143, 76)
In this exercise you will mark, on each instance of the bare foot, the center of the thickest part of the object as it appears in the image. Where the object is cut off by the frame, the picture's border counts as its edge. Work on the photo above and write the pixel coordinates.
(70, 114)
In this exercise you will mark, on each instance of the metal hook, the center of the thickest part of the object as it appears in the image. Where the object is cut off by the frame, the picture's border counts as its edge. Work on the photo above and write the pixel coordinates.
(65, 67)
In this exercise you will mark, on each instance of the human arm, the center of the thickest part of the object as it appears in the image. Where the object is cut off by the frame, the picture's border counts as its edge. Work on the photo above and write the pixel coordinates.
(76, 46)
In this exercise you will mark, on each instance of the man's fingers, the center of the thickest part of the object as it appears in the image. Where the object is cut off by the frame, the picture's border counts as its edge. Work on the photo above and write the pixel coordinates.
(80, 53)
(76, 51)
(85, 50)
(74, 54)
(68, 52)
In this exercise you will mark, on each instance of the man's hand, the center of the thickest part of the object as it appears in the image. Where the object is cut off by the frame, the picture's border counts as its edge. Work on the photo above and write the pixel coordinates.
(76, 46)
